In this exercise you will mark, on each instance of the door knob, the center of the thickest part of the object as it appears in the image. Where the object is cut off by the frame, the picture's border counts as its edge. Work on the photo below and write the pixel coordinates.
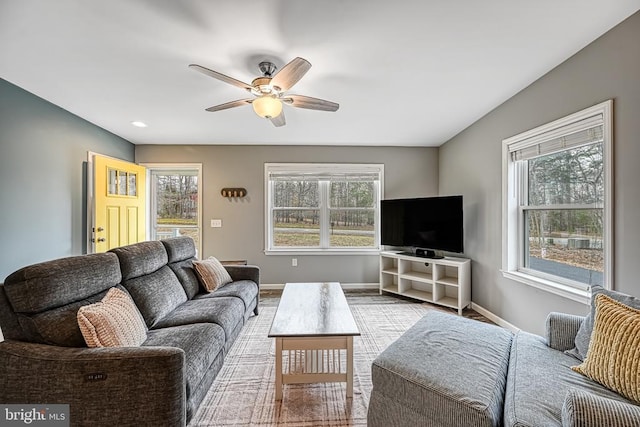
(100, 229)
(101, 239)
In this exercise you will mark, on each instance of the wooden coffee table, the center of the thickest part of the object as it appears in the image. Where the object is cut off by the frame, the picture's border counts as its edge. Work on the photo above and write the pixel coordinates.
(314, 331)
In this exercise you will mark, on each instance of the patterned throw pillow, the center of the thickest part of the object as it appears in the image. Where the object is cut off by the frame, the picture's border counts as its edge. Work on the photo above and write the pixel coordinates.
(211, 274)
(113, 322)
(613, 359)
(584, 332)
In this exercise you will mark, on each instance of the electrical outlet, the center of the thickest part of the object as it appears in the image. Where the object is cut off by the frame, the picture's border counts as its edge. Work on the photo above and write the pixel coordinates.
(216, 223)
(294, 262)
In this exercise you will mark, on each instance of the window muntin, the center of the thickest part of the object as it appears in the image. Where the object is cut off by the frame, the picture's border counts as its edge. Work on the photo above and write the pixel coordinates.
(322, 207)
(557, 188)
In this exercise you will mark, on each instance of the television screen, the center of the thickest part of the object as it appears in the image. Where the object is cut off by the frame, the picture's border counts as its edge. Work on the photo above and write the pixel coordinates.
(428, 223)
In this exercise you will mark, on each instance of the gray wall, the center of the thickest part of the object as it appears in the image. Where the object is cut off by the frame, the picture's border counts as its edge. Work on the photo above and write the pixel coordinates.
(43, 152)
(471, 164)
(409, 172)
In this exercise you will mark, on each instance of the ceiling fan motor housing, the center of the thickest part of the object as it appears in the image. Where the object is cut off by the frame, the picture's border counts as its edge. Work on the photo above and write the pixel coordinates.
(267, 68)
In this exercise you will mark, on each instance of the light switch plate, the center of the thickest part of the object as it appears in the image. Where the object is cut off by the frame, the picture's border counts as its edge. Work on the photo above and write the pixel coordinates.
(216, 223)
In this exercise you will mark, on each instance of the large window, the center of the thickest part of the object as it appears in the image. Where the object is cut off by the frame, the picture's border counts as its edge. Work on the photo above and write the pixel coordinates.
(557, 204)
(175, 204)
(322, 207)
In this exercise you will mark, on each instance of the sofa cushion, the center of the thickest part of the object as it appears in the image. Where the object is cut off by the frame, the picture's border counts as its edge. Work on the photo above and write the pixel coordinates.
(201, 342)
(58, 326)
(156, 294)
(51, 284)
(141, 258)
(538, 381)
(582, 409)
(613, 358)
(448, 369)
(179, 248)
(583, 336)
(226, 312)
(112, 322)
(246, 290)
(211, 273)
(187, 276)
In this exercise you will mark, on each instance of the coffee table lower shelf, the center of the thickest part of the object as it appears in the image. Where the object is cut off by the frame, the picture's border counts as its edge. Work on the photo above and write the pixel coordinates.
(302, 360)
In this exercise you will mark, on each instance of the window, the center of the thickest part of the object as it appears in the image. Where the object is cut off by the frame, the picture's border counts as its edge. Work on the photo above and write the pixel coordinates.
(557, 189)
(322, 207)
(174, 201)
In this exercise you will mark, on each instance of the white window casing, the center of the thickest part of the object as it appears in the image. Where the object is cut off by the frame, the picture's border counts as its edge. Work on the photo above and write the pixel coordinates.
(324, 174)
(585, 127)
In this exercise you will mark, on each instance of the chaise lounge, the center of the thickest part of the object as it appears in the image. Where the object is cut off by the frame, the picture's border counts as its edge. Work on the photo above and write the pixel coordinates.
(186, 334)
(452, 371)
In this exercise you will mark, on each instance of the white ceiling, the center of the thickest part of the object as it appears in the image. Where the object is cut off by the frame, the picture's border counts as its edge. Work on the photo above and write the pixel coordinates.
(405, 72)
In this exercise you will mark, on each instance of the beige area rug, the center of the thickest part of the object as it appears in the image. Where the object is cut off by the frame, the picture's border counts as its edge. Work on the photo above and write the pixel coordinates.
(243, 392)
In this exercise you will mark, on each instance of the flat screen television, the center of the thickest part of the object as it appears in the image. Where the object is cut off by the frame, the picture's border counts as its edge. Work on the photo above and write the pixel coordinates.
(426, 224)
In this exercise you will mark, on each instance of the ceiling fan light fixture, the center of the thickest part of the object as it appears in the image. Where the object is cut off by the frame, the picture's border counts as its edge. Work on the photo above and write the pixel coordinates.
(267, 106)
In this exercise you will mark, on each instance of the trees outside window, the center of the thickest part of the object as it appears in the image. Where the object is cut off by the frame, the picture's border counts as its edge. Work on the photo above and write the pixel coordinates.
(175, 201)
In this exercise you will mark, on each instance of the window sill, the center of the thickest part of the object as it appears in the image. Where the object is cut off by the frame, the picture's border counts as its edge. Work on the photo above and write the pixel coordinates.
(568, 292)
(375, 252)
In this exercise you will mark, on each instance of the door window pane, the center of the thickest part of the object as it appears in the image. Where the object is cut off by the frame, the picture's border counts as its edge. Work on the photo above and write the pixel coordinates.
(132, 191)
(175, 204)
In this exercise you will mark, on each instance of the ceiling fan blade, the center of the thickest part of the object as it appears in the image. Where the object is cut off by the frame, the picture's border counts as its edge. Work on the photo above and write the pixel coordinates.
(302, 101)
(279, 120)
(291, 73)
(222, 77)
(231, 104)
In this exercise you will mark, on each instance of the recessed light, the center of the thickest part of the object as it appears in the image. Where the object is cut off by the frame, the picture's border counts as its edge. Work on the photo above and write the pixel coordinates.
(139, 124)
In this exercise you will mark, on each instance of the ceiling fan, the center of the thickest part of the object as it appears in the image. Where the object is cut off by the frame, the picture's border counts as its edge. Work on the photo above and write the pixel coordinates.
(269, 90)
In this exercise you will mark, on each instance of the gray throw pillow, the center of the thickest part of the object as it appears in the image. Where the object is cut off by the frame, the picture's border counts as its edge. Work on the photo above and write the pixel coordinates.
(583, 337)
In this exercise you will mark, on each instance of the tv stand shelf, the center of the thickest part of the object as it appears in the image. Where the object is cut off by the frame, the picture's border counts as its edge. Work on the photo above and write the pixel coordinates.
(445, 281)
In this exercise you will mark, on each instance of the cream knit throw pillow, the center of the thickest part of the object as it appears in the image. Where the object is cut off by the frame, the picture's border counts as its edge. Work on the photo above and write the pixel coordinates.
(211, 273)
(113, 322)
(613, 358)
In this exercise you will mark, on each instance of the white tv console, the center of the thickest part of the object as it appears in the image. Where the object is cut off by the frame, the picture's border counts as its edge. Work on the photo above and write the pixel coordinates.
(445, 281)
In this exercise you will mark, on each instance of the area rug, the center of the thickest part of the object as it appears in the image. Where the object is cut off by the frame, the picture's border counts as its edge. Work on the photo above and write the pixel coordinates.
(243, 392)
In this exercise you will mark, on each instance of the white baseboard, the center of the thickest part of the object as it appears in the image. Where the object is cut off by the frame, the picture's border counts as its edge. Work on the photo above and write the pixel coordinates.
(345, 286)
(495, 319)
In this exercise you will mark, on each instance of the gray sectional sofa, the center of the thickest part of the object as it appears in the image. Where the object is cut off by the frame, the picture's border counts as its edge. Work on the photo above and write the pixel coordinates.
(44, 359)
(451, 371)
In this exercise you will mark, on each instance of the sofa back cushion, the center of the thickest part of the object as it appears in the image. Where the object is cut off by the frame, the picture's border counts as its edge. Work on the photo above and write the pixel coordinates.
(140, 258)
(156, 294)
(45, 297)
(182, 252)
(151, 283)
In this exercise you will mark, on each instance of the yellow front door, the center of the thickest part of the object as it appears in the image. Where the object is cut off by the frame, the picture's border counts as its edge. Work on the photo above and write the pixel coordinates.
(119, 203)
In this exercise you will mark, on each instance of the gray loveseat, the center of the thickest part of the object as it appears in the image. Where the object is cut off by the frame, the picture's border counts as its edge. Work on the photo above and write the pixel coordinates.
(44, 359)
(451, 371)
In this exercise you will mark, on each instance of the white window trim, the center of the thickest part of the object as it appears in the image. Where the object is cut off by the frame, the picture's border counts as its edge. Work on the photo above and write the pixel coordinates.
(332, 167)
(511, 233)
(171, 167)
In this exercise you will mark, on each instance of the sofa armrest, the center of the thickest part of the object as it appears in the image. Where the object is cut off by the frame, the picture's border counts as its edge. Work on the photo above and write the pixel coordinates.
(581, 409)
(244, 272)
(561, 330)
(102, 386)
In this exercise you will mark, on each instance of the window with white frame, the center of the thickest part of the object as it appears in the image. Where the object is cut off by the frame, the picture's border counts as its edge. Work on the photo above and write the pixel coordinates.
(557, 190)
(320, 207)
